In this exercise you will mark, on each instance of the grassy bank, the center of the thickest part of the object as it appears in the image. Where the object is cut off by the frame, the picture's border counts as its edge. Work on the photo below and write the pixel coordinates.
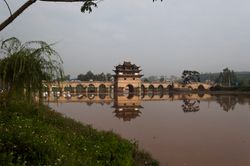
(32, 134)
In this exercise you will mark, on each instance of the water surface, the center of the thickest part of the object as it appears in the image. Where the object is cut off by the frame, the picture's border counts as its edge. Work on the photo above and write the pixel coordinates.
(178, 130)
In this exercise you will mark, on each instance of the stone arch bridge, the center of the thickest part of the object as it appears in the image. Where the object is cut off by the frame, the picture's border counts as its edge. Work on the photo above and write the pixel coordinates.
(161, 86)
(80, 87)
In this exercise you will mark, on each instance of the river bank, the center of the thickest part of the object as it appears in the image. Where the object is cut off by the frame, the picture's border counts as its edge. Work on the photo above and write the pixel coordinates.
(33, 134)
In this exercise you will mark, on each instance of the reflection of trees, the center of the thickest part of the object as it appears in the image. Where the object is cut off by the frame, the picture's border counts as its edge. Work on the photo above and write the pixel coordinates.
(227, 102)
(241, 99)
(190, 106)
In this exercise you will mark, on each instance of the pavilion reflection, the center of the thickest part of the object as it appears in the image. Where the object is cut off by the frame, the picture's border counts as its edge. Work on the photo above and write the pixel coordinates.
(127, 106)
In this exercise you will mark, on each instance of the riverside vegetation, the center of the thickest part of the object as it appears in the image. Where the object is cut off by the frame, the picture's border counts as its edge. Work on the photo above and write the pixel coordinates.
(33, 134)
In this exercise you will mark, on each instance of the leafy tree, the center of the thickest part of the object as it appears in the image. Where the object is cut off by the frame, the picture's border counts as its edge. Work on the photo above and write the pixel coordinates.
(189, 76)
(86, 77)
(25, 68)
(227, 78)
(145, 80)
(108, 77)
(96, 77)
(162, 78)
(89, 76)
(80, 77)
(66, 77)
(100, 77)
(152, 78)
(86, 7)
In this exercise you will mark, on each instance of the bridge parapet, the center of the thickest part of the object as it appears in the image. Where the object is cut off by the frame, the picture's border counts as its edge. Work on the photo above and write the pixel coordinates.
(84, 86)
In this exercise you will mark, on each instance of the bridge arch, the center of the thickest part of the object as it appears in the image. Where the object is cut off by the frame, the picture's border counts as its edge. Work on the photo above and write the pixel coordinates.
(190, 88)
(143, 95)
(151, 88)
(170, 87)
(143, 89)
(91, 96)
(102, 96)
(130, 96)
(201, 88)
(201, 94)
(79, 89)
(69, 88)
(45, 88)
(129, 89)
(160, 89)
(56, 90)
(102, 88)
(161, 94)
(151, 95)
(91, 88)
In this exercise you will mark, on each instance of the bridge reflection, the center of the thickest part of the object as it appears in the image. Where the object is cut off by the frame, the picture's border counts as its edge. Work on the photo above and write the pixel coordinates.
(129, 106)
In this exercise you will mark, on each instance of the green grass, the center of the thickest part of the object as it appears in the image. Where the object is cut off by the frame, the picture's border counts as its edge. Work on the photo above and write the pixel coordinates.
(32, 134)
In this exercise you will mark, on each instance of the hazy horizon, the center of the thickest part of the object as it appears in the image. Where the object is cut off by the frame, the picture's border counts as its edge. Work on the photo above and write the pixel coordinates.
(164, 38)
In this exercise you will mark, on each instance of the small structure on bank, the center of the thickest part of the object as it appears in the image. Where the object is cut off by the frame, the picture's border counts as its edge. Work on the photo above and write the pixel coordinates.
(127, 78)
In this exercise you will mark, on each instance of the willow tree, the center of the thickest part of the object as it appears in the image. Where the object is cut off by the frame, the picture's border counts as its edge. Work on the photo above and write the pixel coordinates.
(26, 68)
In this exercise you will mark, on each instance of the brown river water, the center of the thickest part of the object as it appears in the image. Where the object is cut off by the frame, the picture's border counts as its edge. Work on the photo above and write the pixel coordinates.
(177, 130)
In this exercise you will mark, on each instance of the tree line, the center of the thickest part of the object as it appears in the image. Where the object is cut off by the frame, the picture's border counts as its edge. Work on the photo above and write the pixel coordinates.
(90, 76)
(228, 78)
(225, 78)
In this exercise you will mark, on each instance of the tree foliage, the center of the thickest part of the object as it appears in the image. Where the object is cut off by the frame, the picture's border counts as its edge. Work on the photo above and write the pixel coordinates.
(25, 68)
(189, 76)
(95, 77)
(227, 78)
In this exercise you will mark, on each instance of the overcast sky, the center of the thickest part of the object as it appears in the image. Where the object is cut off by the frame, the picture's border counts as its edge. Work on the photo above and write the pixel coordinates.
(164, 38)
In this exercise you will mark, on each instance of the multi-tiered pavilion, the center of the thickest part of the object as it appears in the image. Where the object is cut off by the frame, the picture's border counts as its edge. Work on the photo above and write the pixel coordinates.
(127, 78)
